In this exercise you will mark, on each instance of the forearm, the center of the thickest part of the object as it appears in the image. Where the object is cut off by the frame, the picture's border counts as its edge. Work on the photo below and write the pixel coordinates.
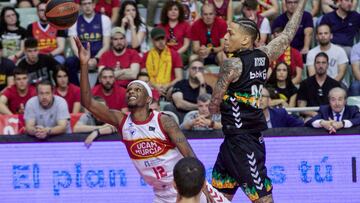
(307, 40)
(86, 95)
(57, 130)
(81, 128)
(185, 105)
(126, 74)
(76, 107)
(135, 43)
(60, 47)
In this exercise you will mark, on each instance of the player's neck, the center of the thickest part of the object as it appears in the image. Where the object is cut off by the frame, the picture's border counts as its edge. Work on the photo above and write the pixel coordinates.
(195, 199)
(140, 114)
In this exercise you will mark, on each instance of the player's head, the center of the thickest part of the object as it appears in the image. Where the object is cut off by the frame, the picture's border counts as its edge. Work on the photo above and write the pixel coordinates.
(337, 99)
(138, 94)
(45, 93)
(241, 34)
(107, 78)
(21, 78)
(61, 76)
(321, 63)
(189, 177)
(31, 50)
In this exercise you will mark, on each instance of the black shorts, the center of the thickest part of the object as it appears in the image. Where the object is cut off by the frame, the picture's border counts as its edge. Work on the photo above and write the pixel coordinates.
(241, 163)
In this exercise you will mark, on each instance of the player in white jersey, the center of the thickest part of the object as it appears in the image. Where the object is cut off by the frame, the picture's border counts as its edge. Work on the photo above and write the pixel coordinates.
(154, 141)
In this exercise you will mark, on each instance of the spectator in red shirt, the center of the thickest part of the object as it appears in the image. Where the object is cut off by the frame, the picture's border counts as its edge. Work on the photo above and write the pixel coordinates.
(163, 64)
(207, 35)
(176, 28)
(113, 94)
(66, 90)
(14, 98)
(292, 57)
(124, 61)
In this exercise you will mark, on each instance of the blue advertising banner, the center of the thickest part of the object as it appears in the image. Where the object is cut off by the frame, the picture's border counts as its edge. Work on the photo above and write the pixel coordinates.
(311, 169)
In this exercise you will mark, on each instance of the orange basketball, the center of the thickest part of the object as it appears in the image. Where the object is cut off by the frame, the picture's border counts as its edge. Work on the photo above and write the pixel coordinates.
(62, 14)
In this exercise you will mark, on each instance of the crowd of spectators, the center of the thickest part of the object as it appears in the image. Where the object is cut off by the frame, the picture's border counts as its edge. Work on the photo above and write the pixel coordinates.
(175, 51)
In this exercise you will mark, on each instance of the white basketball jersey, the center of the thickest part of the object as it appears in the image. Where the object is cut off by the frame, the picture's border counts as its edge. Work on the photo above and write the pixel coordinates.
(151, 150)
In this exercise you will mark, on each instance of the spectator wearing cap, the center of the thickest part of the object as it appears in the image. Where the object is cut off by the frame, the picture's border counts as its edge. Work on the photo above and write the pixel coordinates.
(6, 71)
(207, 35)
(163, 64)
(303, 36)
(124, 61)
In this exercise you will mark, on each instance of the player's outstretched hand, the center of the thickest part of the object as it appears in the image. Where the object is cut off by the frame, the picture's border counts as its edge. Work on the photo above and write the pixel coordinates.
(90, 138)
(84, 54)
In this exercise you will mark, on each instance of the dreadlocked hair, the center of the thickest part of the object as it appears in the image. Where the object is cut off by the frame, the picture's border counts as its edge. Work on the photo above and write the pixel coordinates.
(249, 27)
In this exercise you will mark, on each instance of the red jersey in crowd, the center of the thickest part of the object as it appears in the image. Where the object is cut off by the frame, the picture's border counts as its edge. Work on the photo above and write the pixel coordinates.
(117, 98)
(46, 37)
(15, 101)
(175, 36)
(199, 32)
(293, 58)
(130, 56)
(72, 96)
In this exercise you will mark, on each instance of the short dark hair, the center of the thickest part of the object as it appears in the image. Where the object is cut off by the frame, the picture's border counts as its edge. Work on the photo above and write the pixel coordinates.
(189, 176)
(145, 74)
(317, 28)
(31, 43)
(251, 4)
(322, 54)
(59, 68)
(20, 71)
(167, 6)
(249, 26)
(105, 69)
(44, 83)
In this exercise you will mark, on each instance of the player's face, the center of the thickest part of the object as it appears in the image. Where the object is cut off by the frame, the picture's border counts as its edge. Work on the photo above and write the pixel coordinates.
(203, 108)
(337, 101)
(321, 65)
(41, 12)
(291, 5)
(118, 42)
(62, 79)
(45, 95)
(21, 81)
(87, 7)
(208, 15)
(281, 72)
(10, 17)
(130, 11)
(107, 80)
(265, 99)
(233, 38)
(136, 96)
(345, 5)
(32, 55)
(173, 13)
(323, 35)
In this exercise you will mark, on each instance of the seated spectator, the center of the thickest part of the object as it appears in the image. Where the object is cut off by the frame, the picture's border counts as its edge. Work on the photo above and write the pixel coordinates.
(37, 65)
(292, 57)
(314, 90)
(328, 6)
(6, 71)
(87, 122)
(66, 90)
(163, 64)
(302, 39)
(354, 89)
(46, 114)
(124, 61)
(223, 9)
(143, 76)
(189, 180)
(207, 35)
(280, 80)
(190, 10)
(200, 119)
(185, 92)
(338, 59)
(12, 35)
(176, 28)
(344, 25)
(135, 30)
(250, 11)
(337, 114)
(277, 117)
(90, 27)
(50, 40)
(14, 98)
(113, 94)
(313, 7)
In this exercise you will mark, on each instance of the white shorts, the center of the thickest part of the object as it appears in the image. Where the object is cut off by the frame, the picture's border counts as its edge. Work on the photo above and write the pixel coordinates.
(169, 195)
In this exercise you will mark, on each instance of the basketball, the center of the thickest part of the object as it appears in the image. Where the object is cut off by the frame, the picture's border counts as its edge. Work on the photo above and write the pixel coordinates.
(62, 14)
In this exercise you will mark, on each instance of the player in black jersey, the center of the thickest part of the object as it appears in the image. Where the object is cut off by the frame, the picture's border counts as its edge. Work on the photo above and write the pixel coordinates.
(241, 160)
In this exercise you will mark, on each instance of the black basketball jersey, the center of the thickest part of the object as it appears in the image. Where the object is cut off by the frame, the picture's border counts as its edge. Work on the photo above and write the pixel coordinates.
(240, 112)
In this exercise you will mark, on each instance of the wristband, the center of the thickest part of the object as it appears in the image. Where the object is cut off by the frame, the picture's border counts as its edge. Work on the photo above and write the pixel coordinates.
(98, 132)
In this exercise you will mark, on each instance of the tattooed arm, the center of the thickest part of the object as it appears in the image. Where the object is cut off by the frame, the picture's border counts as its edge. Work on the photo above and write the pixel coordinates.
(176, 135)
(230, 71)
(277, 46)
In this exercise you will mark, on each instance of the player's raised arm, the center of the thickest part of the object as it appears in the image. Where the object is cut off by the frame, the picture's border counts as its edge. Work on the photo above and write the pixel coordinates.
(98, 109)
(176, 135)
(230, 71)
(278, 45)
